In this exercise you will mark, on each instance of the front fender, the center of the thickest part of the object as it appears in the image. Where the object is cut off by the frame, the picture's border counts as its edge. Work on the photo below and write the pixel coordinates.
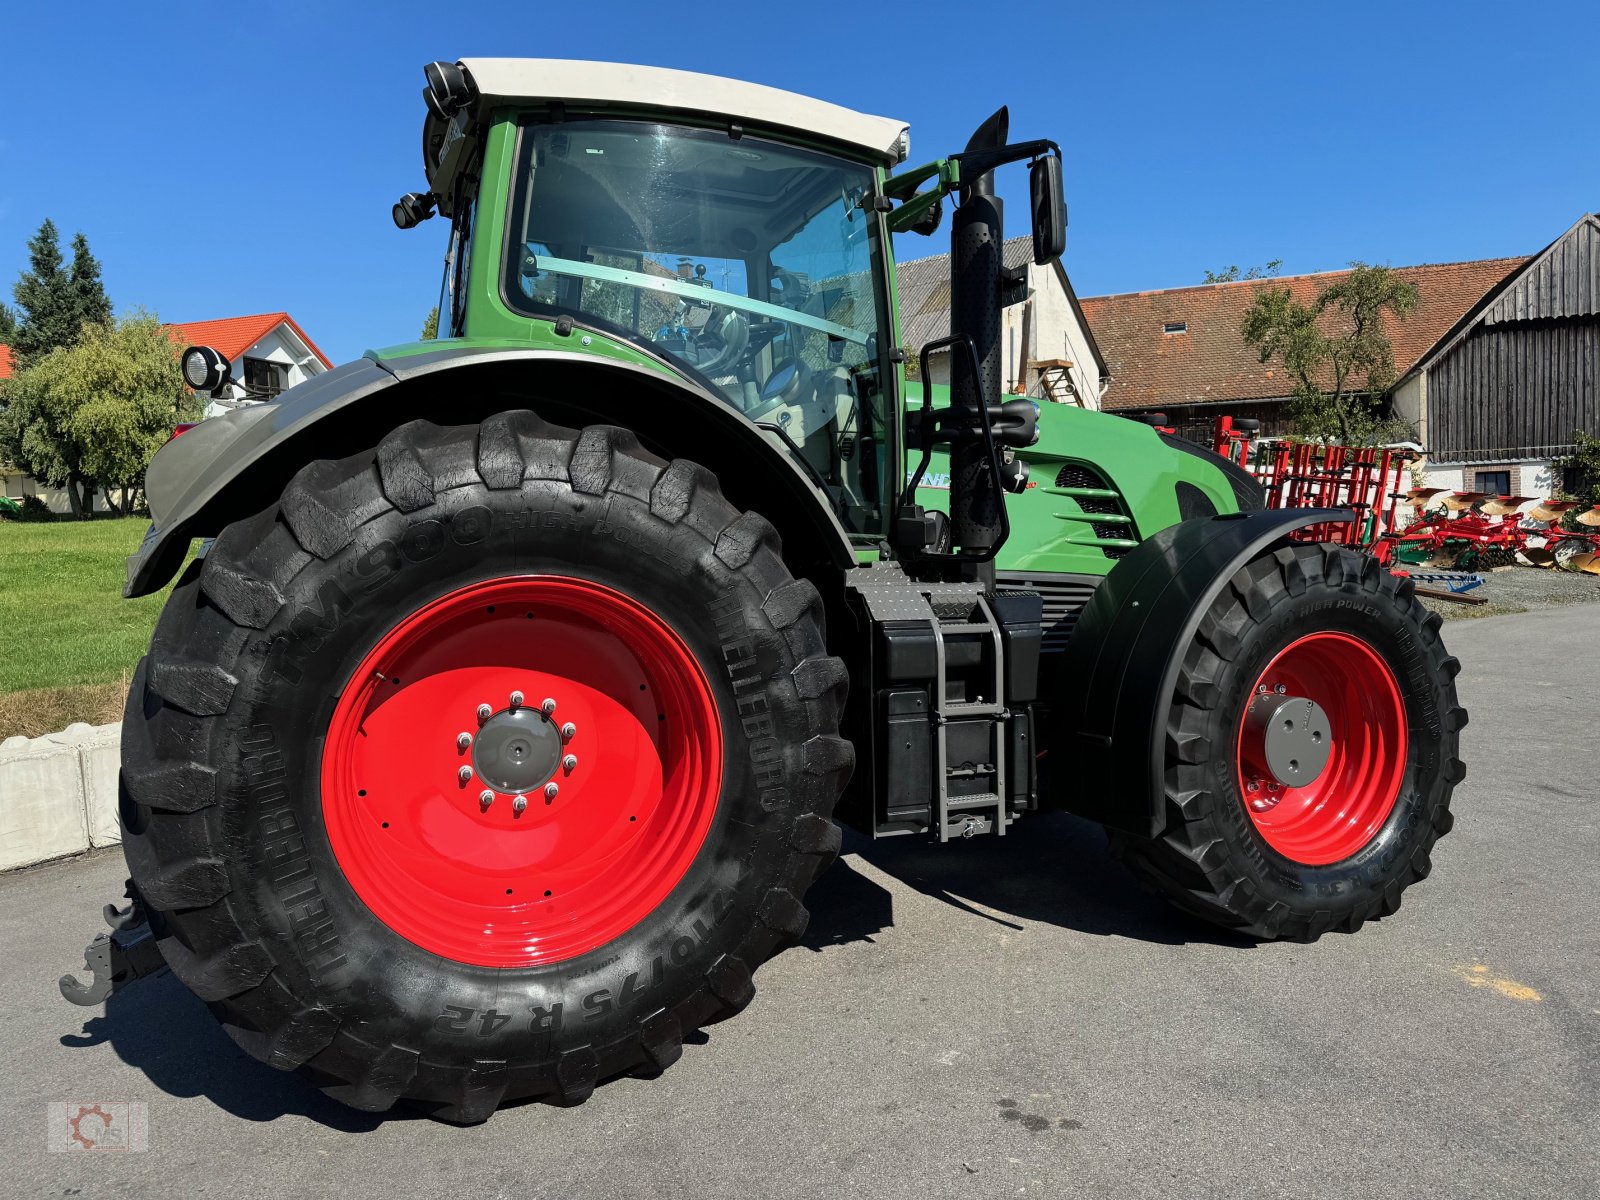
(1120, 667)
(237, 464)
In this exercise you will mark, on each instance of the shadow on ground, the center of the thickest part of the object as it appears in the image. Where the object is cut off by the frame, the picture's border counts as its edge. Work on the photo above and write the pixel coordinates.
(1052, 869)
(158, 1027)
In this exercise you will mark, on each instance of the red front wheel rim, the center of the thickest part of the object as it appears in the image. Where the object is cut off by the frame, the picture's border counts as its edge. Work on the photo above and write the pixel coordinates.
(480, 821)
(1343, 809)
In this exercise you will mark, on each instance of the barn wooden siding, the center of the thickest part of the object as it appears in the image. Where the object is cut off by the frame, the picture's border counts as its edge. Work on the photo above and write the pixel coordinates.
(1527, 372)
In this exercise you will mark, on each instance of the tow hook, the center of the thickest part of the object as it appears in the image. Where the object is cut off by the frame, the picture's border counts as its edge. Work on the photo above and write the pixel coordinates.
(115, 960)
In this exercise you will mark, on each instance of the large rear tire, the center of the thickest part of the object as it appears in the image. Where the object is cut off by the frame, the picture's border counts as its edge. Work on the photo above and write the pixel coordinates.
(403, 913)
(1247, 849)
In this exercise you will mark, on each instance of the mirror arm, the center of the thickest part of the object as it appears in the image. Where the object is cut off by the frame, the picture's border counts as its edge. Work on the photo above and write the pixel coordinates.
(980, 162)
(916, 206)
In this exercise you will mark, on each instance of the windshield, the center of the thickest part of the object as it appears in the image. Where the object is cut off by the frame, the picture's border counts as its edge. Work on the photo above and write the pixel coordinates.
(749, 265)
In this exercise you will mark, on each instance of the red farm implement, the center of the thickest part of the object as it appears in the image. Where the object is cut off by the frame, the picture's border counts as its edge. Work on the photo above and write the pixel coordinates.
(1457, 530)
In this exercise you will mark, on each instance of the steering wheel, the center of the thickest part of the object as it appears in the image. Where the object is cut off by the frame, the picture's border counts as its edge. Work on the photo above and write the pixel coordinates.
(795, 294)
(722, 342)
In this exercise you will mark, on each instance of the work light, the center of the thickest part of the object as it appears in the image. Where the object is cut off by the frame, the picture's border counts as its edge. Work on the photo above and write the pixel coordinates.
(205, 369)
(448, 89)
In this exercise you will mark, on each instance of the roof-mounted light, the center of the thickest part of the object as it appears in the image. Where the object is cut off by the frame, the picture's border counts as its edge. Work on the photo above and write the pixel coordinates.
(448, 91)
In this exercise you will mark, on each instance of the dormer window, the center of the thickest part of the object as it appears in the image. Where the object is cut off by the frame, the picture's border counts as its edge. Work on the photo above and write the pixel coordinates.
(1175, 327)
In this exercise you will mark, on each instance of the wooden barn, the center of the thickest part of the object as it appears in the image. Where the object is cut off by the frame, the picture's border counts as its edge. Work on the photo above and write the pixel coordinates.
(1499, 396)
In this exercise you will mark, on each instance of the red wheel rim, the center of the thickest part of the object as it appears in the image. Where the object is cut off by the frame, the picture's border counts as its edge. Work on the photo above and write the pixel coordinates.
(485, 883)
(1343, 808)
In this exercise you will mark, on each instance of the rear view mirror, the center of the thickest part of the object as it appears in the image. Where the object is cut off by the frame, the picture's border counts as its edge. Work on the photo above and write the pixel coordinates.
(1048, 201)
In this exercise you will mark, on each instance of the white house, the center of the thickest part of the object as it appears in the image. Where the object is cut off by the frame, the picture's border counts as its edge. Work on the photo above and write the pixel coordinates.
(1048, 351)
(269, 352)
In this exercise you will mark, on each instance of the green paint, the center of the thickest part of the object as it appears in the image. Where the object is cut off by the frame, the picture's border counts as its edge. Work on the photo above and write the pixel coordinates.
(1052, 529)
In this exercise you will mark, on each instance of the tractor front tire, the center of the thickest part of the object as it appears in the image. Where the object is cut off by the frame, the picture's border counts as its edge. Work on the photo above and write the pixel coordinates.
(1240, 847)
(483, 766)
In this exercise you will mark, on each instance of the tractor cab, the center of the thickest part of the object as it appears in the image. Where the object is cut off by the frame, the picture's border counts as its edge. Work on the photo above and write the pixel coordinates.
(721, 230)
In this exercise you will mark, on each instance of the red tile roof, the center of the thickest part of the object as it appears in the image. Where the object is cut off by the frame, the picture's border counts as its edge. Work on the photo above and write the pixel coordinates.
(232, 336)
(6, 363)
(1210, 363)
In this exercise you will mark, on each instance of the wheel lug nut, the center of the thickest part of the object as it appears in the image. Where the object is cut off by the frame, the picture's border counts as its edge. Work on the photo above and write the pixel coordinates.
(1280, 689)
(484, 712)
(569, 763)
(567, 731)
(463, 740)
(516, 699)
(551, 791)
(519, 804)
(486, 797)
(464, 775)
(548, 706)
(1252, 786)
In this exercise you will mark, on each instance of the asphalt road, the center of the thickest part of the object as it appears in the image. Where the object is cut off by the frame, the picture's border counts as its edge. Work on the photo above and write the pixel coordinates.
(992, 1019)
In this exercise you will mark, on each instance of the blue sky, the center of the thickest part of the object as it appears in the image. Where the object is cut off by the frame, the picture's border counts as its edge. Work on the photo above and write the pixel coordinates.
(243, 158)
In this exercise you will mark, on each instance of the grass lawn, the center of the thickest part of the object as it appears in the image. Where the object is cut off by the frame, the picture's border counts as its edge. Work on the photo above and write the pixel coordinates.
(68, 640)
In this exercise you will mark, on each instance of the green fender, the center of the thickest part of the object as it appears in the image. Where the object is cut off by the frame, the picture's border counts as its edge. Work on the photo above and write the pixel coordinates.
(1121, 665)
(236, 464)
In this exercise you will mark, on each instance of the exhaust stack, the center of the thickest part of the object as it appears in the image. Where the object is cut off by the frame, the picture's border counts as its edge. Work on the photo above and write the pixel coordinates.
(976, 232)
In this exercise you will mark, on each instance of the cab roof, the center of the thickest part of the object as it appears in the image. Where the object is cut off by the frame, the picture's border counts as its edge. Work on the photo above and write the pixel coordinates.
(501, 81)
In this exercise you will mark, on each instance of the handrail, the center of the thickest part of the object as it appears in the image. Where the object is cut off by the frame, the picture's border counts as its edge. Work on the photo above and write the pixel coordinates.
(695, 291)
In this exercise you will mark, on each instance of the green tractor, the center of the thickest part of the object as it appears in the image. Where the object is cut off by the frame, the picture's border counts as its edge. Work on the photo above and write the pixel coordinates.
(493, 740)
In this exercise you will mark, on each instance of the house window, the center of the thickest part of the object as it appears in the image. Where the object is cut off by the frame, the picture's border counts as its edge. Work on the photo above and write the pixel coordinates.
(1175, 327)
(264, 378)
(1495, 482)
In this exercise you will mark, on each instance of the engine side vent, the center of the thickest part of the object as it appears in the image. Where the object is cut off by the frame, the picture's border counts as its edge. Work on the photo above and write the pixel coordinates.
(1064, 597)
(1081, 477)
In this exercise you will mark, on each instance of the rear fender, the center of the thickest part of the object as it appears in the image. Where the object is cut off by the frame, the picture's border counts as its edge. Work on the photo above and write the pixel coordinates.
(234, 465)
(1117, 675)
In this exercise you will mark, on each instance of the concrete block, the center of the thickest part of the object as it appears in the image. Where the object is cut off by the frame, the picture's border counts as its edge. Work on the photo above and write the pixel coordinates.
(100, 756)
(42, 805)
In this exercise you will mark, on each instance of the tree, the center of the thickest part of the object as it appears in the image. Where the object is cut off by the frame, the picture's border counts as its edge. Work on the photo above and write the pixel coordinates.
(1232, 274)
(430, 327)
(1336, 351)
(1579, 475)
(88, 290)
(56, 301)
(93, 414)
(8, 325)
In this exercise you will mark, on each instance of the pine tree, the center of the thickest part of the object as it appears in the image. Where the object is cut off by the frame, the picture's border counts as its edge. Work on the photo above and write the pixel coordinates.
(87, 288)
(44, 296)
(55, 301)
(8, 325)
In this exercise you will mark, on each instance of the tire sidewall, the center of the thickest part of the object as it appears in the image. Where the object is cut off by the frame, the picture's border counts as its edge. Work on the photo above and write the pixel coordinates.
(331, 950)
(1385, 622)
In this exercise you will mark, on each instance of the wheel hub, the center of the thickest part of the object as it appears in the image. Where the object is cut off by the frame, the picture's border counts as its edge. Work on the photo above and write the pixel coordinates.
(1290, 736)
(517, 750)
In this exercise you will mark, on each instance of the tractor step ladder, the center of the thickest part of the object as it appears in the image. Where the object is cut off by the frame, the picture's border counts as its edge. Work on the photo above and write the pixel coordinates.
(967, 814)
